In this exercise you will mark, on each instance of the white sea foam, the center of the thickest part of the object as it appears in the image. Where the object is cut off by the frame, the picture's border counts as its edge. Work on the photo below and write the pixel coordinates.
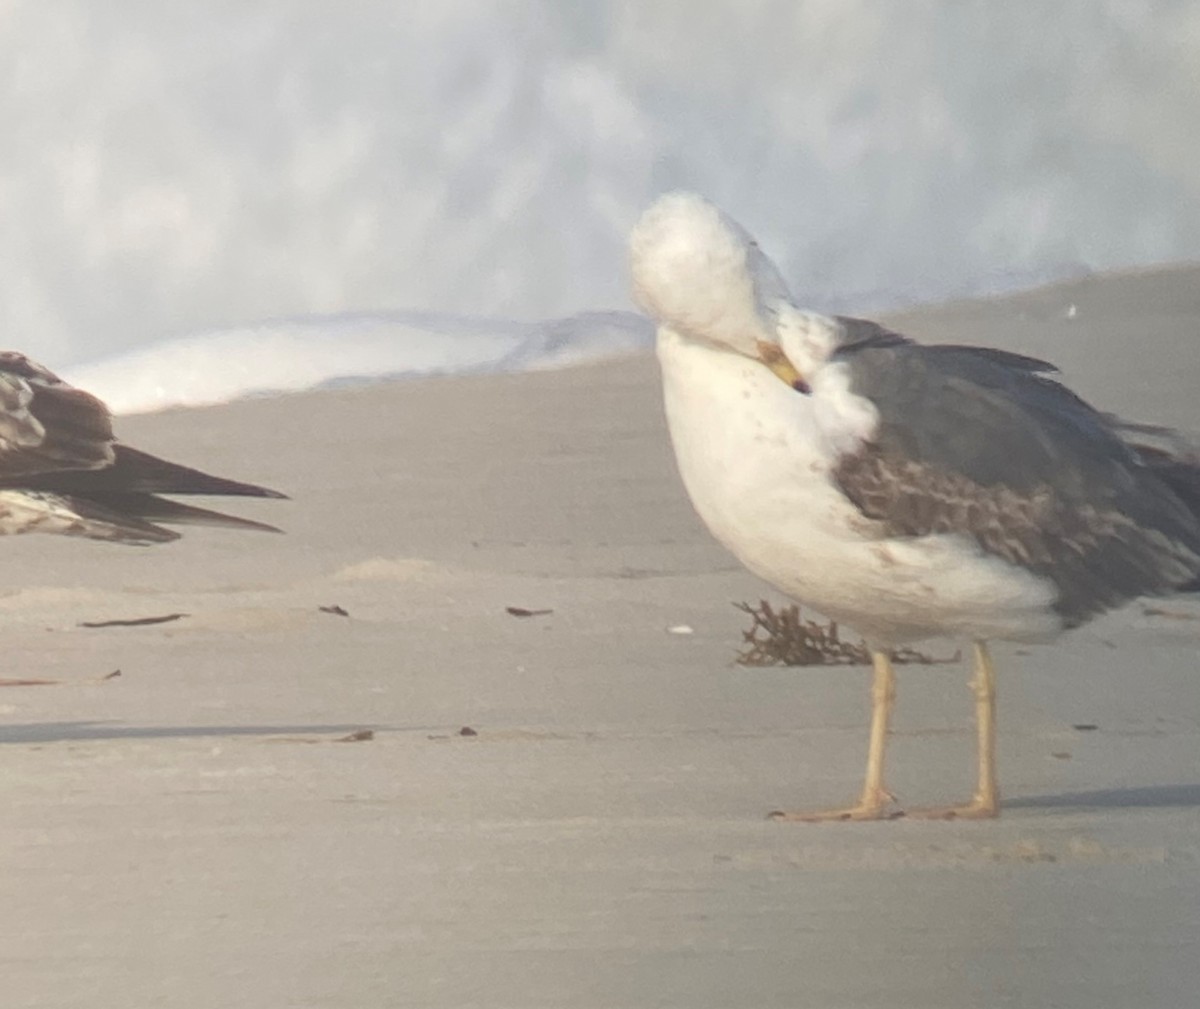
(300, 354)
(177, 168)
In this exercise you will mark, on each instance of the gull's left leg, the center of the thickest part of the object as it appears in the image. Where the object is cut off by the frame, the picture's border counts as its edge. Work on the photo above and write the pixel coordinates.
(874, 804)
(986, 802)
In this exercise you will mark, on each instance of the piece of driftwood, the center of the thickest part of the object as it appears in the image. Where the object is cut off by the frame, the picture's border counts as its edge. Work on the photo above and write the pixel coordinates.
(166, 618)
(521, 611)
(9, 681)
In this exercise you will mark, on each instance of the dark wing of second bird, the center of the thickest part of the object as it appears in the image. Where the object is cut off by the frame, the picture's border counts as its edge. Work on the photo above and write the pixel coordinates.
(62, 471)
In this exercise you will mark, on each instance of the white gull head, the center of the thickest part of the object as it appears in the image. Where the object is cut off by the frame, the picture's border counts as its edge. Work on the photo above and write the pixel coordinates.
(699, 273)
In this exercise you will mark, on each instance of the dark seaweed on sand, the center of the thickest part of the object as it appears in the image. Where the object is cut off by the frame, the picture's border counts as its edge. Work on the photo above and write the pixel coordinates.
(780, 637)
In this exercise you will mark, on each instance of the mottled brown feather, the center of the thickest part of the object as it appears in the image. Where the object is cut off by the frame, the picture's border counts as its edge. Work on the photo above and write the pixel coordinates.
(61, 470)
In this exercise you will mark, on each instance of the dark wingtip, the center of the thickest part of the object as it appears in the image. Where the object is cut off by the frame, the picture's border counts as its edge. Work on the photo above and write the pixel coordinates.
(234, 488)
(136, 472)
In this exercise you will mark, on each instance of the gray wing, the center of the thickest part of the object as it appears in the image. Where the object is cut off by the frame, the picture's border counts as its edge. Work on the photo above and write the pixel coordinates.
(987, 445)
(62, 471)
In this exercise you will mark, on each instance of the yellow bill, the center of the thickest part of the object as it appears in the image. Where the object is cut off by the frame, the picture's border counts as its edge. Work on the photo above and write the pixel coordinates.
(772, 355)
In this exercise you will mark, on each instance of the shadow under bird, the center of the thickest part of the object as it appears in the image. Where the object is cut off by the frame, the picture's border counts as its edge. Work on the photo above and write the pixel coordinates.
(63, 472)
(909, 491)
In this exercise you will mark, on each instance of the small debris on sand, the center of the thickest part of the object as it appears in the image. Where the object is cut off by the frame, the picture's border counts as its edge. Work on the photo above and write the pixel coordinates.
(134, 621)
(521, 611)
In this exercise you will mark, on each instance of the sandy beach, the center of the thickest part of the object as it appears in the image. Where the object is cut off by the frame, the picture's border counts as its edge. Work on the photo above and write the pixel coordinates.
(566, 809)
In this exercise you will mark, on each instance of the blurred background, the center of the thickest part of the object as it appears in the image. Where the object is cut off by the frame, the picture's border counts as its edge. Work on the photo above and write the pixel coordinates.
(168, 168)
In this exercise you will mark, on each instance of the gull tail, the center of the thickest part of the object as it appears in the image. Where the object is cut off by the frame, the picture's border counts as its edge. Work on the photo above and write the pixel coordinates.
(1175, 460)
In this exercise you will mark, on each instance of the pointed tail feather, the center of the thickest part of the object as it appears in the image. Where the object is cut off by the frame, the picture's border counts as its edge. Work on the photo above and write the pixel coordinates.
(147, 508)
(137, 472)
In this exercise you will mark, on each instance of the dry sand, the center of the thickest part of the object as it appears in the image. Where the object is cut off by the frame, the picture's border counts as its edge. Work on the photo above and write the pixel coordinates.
(193, 834)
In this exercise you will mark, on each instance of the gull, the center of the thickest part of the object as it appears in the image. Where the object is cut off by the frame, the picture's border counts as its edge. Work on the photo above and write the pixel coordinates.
(62, 471)
(909, 491)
